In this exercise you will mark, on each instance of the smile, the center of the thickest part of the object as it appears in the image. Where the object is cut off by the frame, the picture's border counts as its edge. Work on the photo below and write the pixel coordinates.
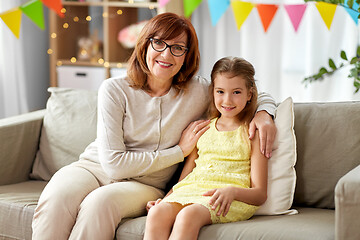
(164, 64)
(228, 108)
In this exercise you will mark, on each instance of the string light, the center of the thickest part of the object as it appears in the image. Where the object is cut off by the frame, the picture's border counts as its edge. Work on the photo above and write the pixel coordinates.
(88, 18)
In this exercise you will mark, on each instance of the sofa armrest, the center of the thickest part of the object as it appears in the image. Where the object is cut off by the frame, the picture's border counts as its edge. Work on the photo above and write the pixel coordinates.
(347, 206)
(19, 142)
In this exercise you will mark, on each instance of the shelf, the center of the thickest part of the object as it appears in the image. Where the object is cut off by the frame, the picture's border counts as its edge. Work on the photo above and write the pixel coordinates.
(99, 21)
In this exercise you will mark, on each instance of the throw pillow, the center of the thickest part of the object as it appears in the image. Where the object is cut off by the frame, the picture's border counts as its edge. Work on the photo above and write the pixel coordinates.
(281, 171)
(69, 126)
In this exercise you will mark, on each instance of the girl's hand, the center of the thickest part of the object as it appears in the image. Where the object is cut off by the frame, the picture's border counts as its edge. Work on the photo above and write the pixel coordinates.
(150, 204)
(222, 197)
(191, 135)
(267, 131)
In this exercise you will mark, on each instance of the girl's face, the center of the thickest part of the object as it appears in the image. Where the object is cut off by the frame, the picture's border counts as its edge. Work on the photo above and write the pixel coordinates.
(163, 65)
(230, 95)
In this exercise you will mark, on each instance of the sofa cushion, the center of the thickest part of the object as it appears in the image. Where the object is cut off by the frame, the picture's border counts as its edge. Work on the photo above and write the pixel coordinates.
(281, 171)
(328, 146)
(308, 224)
(17, 205)
(69, 126)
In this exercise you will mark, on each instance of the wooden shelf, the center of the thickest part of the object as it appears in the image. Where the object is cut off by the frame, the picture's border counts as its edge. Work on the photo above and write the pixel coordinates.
(106, 18)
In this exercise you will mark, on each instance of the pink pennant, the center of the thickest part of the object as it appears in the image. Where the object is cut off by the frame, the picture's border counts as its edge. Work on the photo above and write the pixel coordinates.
(295, 12)
(162, 3)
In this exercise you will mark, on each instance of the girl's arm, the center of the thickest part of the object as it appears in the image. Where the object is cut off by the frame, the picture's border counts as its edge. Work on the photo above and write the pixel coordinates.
(188, 167)
(255, 195)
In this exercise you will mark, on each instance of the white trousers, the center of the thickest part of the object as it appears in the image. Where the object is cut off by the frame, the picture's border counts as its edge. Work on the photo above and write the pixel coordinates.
(77, 204)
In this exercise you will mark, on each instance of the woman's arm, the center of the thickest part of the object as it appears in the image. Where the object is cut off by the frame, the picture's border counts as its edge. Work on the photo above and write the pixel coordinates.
(255, 195)
(117, 161)
(263, 121)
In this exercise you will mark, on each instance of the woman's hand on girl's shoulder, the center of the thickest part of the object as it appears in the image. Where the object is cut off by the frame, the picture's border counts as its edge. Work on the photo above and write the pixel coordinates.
(191, 135)
(267, 131)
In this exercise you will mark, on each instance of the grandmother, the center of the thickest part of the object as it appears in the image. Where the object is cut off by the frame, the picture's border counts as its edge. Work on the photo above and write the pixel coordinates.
(147, 124)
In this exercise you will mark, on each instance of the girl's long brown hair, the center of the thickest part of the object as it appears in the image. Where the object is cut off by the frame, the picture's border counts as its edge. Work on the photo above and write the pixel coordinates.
(165, 26)
(235, 66)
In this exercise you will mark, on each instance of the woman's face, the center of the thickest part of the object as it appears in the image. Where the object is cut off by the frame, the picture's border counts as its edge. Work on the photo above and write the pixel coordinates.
(163, 65)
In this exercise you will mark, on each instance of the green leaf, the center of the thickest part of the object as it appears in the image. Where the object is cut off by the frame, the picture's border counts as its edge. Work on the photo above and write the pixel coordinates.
(350, 3)
(343, 55)
(332, 64)
(358, 50)
(353, 72)
(323, 71)
(353, 60)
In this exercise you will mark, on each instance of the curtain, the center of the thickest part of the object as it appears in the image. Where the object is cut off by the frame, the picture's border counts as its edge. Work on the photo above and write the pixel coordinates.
(282, 57)
(24, 69)
(12, 79)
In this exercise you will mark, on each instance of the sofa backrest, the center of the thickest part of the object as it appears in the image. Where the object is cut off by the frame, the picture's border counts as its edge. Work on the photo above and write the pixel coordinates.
(328, 146)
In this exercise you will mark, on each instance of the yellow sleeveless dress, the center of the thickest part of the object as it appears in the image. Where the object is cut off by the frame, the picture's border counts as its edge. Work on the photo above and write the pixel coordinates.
(224, 160)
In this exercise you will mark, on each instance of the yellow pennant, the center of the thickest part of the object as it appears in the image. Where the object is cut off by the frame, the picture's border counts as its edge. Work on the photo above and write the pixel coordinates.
(327, 12)
(241, 11)
(12, 19)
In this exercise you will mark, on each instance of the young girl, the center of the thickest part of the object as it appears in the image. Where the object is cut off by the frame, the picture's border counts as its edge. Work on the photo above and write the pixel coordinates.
(224, 179)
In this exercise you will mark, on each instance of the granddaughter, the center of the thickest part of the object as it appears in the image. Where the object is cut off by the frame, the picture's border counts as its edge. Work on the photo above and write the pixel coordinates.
(224, 179)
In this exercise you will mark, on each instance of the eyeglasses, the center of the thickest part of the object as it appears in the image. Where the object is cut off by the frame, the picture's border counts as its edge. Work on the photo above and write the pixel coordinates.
(160, 46)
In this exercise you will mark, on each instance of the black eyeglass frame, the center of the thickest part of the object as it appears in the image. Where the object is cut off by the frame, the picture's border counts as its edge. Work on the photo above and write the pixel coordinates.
(167, 46)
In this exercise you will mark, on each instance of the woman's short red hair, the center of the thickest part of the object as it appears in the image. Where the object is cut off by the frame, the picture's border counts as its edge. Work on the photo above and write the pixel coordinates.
(166, 26)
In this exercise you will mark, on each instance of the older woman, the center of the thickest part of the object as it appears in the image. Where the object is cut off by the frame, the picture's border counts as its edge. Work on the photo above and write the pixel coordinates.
(146, 126)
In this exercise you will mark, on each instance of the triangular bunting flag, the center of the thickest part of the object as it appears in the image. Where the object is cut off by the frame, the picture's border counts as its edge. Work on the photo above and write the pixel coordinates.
(162, 3)
(241, 11)
(353, 12)
(327, 12)
(295, 12)
(190, 6)
(217, 9)
(267, 13)
(12, 19)
(34, 10)
(55, 5)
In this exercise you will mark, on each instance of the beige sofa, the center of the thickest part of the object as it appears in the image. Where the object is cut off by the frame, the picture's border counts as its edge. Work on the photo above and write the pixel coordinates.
(327, 193)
